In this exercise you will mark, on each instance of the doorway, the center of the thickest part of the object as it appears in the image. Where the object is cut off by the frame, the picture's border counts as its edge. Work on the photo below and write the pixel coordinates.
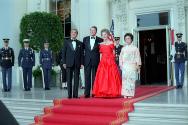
(153, 50)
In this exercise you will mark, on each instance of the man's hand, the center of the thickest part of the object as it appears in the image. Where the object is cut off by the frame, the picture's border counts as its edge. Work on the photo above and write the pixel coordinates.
(64, 65)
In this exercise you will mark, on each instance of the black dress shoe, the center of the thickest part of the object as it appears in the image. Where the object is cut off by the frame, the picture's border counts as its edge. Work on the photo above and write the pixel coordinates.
(8, 90)
(75, 96)
(69, 97)
(181, 86)
(47, 88)
(25, 89)
(29, 89)
(87, 96)
(5, 90)
(178, 86)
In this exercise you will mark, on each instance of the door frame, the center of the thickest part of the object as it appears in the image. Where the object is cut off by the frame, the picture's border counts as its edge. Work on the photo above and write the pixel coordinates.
(168, 46)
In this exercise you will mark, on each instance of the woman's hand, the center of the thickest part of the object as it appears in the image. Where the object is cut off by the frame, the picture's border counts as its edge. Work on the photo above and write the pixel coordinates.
(138, 67)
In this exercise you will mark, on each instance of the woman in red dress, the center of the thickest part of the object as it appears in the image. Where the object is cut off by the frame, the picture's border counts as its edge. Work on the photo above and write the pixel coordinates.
(107, 81)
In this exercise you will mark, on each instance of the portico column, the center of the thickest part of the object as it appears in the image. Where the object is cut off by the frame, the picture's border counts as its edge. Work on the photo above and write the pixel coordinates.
(86, 13)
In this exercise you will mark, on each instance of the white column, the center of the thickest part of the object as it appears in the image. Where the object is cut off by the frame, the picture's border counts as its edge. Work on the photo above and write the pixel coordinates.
(86, 13)
(99, 13)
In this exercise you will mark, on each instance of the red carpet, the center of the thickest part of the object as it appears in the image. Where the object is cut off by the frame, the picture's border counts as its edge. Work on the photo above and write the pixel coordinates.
(95, 111)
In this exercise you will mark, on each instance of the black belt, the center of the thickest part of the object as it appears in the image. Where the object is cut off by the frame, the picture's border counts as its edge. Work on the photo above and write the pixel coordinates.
(6, 58)
(27, 58)
(179, 53)
(46, 59)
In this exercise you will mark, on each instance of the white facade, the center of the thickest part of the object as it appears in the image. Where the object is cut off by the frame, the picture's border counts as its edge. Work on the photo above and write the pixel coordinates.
(86, 13)
(11, 12)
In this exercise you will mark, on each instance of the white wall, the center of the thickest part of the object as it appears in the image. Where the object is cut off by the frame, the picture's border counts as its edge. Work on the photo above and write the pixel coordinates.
(37, 5)
(11, 12)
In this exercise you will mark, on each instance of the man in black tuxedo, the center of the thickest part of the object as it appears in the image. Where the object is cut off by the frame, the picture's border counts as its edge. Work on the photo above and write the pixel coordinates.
(91, 58)
(72, 59)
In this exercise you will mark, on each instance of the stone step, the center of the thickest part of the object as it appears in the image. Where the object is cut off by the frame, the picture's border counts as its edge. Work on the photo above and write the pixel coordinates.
(26, 100)
(24, 118)
(154, 122)
(162, 111)
(151, 105)
(27, 105)
(158, 115)
(159, 109)
(26, 111)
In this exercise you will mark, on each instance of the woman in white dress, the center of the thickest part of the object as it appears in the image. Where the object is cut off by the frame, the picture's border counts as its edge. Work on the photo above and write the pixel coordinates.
(130, 63)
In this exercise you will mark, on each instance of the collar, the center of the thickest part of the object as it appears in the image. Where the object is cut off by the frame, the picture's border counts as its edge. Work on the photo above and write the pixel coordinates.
(93, 36)
(117, 45)
(73, 39)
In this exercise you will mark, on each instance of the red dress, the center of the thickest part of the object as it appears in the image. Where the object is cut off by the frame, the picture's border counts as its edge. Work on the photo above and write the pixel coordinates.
(107, 81)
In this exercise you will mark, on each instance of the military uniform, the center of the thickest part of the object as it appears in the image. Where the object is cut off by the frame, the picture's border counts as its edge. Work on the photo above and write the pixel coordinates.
(117, 53)
(118, 48)
(180, 57)
(26, 60)
(46, 61)
(6, 62)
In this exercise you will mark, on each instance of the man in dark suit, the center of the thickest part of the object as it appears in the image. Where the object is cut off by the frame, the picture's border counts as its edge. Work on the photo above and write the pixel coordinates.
(26, 59)
(91, 58)
(6, 62)
(63, 79)
(72, 59)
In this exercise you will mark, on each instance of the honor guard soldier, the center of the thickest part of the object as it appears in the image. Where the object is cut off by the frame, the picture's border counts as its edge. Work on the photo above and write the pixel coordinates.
(6, 62)
(26, 60)
(46, 61)
(180, 57)
(118, 48)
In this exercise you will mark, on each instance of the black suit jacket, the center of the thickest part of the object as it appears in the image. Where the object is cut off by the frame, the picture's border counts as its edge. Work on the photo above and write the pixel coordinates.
(72, 57)
(91, 55)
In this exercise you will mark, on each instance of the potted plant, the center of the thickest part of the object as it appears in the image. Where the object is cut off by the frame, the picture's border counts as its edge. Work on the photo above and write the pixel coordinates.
(37, 74)
(38, 78)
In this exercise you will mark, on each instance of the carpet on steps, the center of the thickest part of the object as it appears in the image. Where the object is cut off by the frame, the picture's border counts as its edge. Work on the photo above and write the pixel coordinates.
(95, 111)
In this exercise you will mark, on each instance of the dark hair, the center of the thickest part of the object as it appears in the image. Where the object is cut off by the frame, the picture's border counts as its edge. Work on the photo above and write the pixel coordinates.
(75, 30)
(106, 31)
(130, 35)
(94, 28)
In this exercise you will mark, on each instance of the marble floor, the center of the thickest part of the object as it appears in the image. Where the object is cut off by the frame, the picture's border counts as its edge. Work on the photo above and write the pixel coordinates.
(175, 96)
(37, 93)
